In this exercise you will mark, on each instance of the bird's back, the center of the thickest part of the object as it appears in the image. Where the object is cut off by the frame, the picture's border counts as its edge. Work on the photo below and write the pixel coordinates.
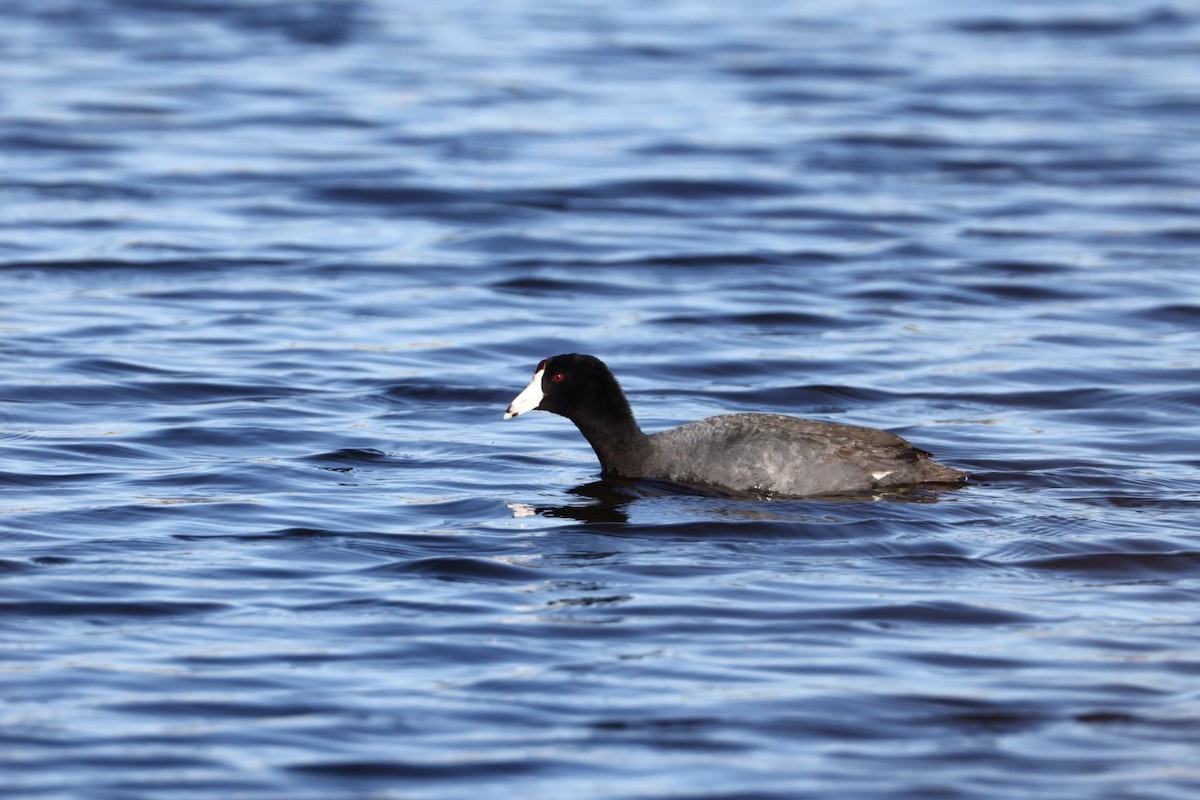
(789, 456)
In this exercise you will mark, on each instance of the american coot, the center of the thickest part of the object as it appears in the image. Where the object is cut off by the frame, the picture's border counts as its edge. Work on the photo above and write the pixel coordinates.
(759, 453)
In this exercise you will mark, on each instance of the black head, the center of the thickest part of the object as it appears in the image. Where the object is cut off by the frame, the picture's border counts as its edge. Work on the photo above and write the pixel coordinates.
(576, 386)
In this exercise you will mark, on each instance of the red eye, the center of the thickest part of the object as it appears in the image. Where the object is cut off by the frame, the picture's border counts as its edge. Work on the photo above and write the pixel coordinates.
(558, 377)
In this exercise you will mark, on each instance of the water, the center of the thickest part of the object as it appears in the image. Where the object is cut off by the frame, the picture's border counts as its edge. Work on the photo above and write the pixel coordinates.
(272, 271)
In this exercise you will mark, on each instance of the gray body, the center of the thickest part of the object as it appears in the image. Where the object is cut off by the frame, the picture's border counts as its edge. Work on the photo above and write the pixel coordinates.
(776, 454)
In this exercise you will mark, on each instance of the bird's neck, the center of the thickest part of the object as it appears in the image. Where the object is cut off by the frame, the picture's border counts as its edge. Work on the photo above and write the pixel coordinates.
(617, 440)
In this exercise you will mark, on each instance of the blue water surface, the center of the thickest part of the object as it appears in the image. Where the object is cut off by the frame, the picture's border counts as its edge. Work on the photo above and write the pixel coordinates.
(270, 272)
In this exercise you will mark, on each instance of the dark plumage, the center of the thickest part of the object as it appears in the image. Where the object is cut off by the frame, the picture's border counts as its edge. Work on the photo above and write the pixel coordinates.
(761, 453)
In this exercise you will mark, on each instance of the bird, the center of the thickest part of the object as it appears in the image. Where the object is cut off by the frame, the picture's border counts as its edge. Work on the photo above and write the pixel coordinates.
(747, 453)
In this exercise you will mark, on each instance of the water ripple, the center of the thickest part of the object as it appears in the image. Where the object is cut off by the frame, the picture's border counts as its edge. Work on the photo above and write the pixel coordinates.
(271, 277)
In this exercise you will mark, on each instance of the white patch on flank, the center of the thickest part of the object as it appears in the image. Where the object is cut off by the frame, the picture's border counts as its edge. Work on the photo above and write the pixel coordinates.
(881, 475)
(527, 400)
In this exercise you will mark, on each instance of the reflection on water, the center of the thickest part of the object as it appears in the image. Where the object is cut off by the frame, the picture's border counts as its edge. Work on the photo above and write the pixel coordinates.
(609, 500)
